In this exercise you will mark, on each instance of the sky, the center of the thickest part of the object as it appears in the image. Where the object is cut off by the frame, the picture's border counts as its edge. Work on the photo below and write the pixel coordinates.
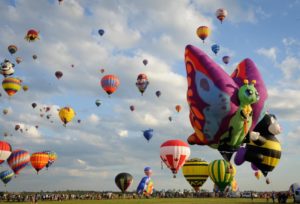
(109, 138)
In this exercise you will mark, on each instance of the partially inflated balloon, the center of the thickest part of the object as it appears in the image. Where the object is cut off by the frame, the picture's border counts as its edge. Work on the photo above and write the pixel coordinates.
(66, 114)
(6, 176)
(32, 35)
(39, 160)
(11, 85)
(195, 172)
(203, 32)
(12, 49)
(110, 83)
(5, 151)
(123, 181)
(58, 74)
(18, 160)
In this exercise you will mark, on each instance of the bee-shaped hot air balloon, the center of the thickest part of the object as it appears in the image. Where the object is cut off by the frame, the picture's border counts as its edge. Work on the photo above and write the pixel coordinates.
(7, 68)
(195, 172)
(263, 148)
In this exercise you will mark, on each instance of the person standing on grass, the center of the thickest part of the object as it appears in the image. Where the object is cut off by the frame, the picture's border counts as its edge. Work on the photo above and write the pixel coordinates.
(273, 197)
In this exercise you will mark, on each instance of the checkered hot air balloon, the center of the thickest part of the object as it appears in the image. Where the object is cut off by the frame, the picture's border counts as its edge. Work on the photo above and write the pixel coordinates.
(5, 151)
(18, 160)
(110, 83)
(174, 153)
(39, 160)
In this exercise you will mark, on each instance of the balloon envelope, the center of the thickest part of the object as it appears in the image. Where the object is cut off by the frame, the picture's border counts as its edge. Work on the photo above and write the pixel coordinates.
(58, 74)
(123, 181)
(5, 151)
(148, 134)
(66, 114)
(101, 32)
(32, 35)
(203, 32)
(12, 49)
(11, 85)
(110, 83)
(158, 93)
(6, 176)
(18, 160)
(39, 160)
(221, 14)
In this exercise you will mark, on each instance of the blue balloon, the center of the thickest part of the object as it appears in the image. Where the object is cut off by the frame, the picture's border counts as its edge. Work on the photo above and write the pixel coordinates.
(148, 134)
(158, 93)
(143, 185)
(6, 176)
(101, 32)
(215, 48)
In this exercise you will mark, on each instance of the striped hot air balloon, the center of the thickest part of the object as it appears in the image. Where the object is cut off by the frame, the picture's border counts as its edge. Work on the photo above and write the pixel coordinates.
(11, 85)
(6, 176)
(39, 160)
(195, 172)
(110, 83)
(123, 181)
(221, 173)
(5, 151)
(52, 158)
(18, 160)
(174, 153)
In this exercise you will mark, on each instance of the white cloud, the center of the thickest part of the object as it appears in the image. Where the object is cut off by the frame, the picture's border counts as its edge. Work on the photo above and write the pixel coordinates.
(123, 133)
(94, 119)
(81, 162)
(270, 53)
(290, 66)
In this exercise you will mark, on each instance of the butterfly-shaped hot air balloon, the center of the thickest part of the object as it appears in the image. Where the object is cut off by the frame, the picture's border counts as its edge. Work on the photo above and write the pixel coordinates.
(123, 181)
(39, 160)
(110, 83)
(52, 157)
(174, 153)
(221, 173)
(223, 108)
(6, 176)
(11, 85)
(142, 83)
(18, 160)
(203, 32)
(195, 172)
(5, 151)
(32, 35)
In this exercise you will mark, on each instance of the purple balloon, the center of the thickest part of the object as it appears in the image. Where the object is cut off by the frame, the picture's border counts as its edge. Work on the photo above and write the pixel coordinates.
(254, 167)
(240, 156)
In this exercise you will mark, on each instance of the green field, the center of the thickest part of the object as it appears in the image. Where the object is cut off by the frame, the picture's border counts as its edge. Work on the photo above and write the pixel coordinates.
(164, 201)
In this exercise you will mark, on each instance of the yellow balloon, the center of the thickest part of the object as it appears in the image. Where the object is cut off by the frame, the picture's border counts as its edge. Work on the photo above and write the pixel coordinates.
(66, 114)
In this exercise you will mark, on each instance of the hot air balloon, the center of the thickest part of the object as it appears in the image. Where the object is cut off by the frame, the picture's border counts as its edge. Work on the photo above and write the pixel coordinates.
(33, 105)
(98, 102)
(221, 173)
(5, 111)
(294, 187)
(221, 14)
(142, 83)
(58, 74)
(148, 134)
(174, 153)
(145, 186)
(78, 121)
(215, 48)
(25, 88)
(17, 127)
(101, 32)
(32, 35)
(7, 68)
(102, 71)
(178, 108)
(11, 85)
(226, 59)
(148, 171)
(258, 174)
(6, 176)
(195, 172)
(5, 151)
(203, 32)
(145, 62)
(12, 49)
(110, 83)
(19, 60)
(34, 57)
(52, 158)
(170, 118)
(123, 181)
(132, 108)
(213, 95)
(18, 160)
(158, 93)
(66, 114)
(39, 160)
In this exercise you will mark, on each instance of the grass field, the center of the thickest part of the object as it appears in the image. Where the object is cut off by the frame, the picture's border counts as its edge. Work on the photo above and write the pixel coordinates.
(164, 201)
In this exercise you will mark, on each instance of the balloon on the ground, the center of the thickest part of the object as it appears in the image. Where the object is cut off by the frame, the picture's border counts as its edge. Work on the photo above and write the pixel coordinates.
(32, 35)
(5, 151)
(223, 108)
(11, 85)
(148, 134)
(66, 114)
(294, 187)
(18, 160)
(145, 186)
(221, 14)
(39, 160)
(110, 83)
(123, 181)
(174, 153)
(7, 68)
(195, 172)
(6, 176)
(203, 32)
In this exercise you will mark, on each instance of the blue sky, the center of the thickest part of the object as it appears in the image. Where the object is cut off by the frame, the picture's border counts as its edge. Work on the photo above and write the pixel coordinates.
(109, 138)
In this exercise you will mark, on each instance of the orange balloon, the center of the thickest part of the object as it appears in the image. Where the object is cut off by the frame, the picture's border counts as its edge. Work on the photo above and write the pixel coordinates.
(39, 160)
(178, 108)
(110, 83)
